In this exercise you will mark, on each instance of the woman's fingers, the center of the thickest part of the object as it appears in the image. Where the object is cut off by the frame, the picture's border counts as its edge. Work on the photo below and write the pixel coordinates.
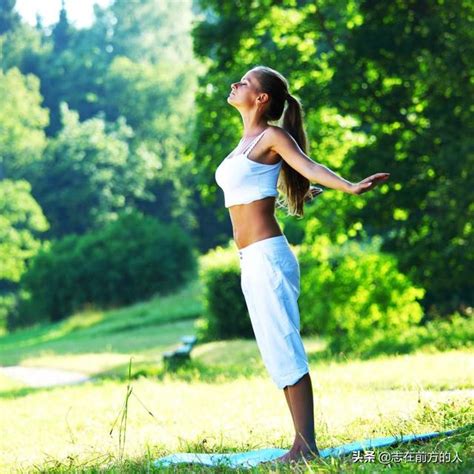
(372, 181)
(313, 192)
(376, 176)
(380, 176)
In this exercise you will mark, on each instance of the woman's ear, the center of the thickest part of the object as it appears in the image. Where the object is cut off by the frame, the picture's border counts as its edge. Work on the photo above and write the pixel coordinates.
(263, 98)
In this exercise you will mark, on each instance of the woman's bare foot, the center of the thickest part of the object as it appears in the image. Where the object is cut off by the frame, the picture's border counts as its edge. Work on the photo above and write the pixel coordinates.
(297, 454)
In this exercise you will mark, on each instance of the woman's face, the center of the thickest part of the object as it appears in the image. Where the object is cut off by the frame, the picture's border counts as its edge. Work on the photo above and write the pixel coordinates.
(245, 91)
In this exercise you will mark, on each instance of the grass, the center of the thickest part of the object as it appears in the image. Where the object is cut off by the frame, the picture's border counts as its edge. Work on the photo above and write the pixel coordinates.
(96, 341)
(68, 427)
(222, 401)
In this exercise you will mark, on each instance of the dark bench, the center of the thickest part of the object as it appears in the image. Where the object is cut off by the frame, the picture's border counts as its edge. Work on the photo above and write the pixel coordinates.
(174, 359)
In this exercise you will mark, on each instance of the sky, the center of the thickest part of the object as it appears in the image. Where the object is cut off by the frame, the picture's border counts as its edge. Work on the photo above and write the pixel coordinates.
(80, 12)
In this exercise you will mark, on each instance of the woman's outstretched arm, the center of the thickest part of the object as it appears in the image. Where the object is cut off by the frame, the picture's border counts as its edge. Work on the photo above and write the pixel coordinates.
(285, 145)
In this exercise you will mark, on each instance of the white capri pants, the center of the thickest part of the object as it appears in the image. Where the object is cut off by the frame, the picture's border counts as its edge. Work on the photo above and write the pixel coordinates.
(270, 281)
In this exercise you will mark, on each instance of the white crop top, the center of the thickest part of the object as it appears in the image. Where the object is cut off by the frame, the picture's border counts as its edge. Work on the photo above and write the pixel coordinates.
(244, 180)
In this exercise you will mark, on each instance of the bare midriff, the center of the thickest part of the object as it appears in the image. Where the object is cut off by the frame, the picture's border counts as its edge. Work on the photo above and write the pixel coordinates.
(254, 221)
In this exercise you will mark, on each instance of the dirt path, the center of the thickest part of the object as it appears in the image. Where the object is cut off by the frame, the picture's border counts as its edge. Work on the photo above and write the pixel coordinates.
(43, 376)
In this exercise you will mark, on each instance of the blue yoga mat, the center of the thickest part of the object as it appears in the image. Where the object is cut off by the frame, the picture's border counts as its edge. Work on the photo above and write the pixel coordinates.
(252, 458)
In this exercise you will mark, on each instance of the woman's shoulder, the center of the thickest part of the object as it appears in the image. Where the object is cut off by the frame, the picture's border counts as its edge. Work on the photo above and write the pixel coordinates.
(277, 134)
(275, 129)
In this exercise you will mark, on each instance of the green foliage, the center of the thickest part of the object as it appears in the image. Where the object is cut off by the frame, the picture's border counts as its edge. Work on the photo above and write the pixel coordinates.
(21, 222)
(152, 30)
(368, 301)
(9, 18)
(22, 122)
(157, 102)
(455, 332)
(62, 31)
(18, 46)
(127, 260)
(395, 77)
(88, 174)
(146, 94)
(226, 315)
(151, 81)
(135, 62)
(109, 335)
(355, 295)
(410, 94)
(70, 63)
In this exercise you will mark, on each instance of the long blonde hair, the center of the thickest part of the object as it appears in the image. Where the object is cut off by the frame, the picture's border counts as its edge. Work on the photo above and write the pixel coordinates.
(293, 186)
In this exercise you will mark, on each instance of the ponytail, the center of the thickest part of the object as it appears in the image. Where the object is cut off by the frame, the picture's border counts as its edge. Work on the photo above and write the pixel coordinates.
(294, 186)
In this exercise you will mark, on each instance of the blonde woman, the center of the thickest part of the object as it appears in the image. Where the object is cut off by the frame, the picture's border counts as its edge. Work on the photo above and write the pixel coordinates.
(269, 158)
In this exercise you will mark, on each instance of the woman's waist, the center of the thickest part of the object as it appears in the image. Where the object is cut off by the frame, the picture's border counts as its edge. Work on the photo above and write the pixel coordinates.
(246, 233)
(260, 211)
(276, 245)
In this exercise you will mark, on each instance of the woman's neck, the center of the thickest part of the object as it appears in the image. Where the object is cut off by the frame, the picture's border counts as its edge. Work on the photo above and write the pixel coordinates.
(253, 126)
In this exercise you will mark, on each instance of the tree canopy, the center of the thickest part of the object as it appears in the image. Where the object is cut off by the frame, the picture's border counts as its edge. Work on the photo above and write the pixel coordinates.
(384, 86)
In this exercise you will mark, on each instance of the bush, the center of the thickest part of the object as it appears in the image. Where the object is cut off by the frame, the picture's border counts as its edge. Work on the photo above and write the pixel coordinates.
(128, 260)
(354, 295)
(455, 332)
(226, 314)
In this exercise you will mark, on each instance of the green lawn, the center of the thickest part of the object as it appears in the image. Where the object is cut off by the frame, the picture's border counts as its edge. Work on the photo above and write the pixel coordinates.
(223, 401)
(96, 341)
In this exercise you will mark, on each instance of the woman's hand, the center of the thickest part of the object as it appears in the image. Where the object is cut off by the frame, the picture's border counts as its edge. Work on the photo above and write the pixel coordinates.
(312, 193)
(368, 183)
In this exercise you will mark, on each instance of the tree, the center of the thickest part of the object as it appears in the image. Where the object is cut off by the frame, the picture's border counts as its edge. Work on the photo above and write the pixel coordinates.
(151, 82)
(62, 31)
(233, 37)
(152, 31)
(9, 18)
(408, 64)
(395, 76)
(134, 62)
(89, 173)
(71, 65)
(21, 224)
(22, 123)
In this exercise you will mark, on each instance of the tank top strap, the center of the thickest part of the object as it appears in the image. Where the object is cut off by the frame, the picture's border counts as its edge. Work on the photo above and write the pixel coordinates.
(250, 148)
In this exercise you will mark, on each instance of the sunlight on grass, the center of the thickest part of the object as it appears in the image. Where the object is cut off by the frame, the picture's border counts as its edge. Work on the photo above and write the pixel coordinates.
(7, 383)
(242, 413)
(147, 326)
(103, 352)
(82, 320)
(87, 363)
(438, 371)
(221, 401)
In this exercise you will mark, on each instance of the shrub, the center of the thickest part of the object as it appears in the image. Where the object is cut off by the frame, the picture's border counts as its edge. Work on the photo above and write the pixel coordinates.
(354, 295)
(455, 332)
(226, 314)
(21, 222)
(128, 260)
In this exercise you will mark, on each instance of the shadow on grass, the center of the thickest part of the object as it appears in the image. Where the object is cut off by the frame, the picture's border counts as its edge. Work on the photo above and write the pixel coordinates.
(189, 371)
(24, 391)
(194, 370)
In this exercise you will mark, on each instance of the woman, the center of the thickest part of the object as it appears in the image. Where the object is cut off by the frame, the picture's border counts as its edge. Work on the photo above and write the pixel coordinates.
(270, 273)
